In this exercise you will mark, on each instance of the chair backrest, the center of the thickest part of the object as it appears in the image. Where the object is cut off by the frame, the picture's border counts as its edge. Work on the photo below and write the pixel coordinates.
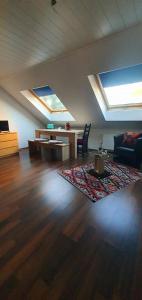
(86, 132)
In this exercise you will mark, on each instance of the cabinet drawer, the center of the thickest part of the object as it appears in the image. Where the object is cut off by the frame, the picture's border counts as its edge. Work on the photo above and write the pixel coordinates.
(8, 151)
(8, 136)
(8, 144)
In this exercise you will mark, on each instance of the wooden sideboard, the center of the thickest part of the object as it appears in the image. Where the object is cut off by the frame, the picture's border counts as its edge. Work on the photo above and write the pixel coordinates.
(8, 143)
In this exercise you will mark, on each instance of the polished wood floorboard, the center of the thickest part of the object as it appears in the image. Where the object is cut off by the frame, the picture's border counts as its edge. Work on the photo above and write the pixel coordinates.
(56, 244)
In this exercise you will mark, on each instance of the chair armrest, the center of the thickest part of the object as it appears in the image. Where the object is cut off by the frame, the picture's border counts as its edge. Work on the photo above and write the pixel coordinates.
(117, 141)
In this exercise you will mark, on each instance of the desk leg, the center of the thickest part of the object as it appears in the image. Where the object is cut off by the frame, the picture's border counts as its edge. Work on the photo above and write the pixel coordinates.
(37, 134)
(73, 146)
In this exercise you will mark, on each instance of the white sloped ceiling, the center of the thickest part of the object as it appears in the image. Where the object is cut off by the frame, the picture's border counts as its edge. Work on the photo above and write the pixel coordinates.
(33, 31)
(68, 75)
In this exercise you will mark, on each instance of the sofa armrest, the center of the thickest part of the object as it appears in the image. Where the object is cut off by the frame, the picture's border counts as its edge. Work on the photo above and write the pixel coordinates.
(117, 141)
(138, 147)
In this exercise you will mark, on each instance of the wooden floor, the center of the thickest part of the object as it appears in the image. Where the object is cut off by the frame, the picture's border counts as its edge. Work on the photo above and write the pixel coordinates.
(56, 244)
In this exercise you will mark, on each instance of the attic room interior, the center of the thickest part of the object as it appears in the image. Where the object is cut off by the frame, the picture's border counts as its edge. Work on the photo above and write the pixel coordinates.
(70, 149)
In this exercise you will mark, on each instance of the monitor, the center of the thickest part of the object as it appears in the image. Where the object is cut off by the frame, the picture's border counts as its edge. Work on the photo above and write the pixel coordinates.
(4, 126)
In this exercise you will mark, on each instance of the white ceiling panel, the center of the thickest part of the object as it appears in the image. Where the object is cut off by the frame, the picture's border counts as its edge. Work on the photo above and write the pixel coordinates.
(31, 31)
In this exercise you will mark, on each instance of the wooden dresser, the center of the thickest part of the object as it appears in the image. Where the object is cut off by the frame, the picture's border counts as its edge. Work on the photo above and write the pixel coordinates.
(8, 143)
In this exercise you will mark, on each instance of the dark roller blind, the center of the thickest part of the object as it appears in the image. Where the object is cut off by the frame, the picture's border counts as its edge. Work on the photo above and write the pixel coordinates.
(121, 76)
(43, 91)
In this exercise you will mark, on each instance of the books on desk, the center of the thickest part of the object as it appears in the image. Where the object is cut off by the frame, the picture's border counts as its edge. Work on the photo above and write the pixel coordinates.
(55, 141)
(41, 139)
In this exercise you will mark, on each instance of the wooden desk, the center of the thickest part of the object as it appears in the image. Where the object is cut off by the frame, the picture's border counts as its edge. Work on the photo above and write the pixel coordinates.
(70, 134)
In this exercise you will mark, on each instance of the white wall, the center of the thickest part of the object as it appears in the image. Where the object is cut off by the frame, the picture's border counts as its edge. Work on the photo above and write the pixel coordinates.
(19, 118)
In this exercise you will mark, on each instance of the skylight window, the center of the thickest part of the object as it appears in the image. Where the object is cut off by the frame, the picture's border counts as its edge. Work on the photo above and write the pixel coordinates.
(48, 104)
(48, 97)
(122, 88)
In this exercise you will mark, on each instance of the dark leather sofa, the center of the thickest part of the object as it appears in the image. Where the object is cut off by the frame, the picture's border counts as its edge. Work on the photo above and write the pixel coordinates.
(128, 152)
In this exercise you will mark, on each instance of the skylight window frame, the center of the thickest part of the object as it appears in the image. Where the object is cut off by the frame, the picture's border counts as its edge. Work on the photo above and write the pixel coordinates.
(109, 106)
(46, 105)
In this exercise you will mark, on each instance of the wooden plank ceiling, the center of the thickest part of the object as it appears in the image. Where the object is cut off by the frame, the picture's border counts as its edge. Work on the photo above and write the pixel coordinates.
(32, 31)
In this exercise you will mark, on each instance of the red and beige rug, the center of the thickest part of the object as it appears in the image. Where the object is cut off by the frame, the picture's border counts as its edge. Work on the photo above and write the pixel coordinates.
(120, 176)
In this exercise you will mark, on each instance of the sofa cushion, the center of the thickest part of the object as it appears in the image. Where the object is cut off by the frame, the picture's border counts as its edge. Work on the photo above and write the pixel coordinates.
(129, 138)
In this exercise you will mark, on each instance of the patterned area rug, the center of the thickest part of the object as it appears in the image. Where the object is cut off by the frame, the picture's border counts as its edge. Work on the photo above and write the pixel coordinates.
(120, 176)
